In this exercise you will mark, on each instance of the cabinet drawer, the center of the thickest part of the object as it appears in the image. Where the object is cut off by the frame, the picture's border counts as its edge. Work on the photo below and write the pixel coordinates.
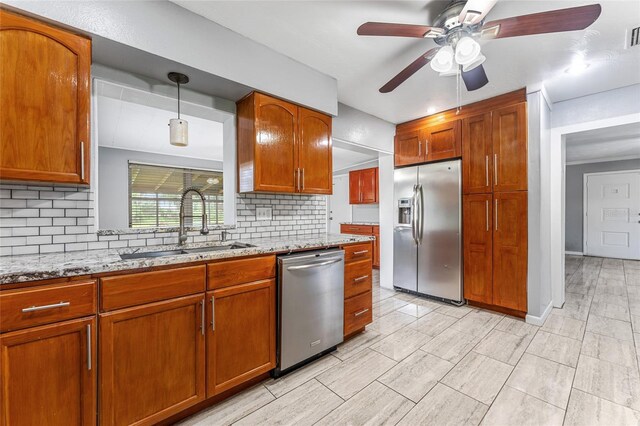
(146, 287)
(357, 312)
(232, 272)
(357, 278)
(46, 304)
(357, 252)
(356, 229)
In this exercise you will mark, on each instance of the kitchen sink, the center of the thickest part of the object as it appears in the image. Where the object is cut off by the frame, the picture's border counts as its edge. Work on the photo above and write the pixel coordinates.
(162, 253)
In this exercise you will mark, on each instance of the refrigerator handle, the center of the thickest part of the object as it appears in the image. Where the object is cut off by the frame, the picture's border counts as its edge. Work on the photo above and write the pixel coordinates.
(414, 215)
(421, 214)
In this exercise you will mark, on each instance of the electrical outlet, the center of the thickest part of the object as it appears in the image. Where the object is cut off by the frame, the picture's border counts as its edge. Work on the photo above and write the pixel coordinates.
(264, 213)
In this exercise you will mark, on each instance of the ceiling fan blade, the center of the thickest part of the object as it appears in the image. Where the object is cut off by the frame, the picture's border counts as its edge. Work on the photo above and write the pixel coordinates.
(475, 10)
(553, 21)
(409, 70)
(475, 78)
(398, 30)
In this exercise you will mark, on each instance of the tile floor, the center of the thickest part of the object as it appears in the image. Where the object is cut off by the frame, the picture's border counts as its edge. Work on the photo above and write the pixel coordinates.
(423, 362)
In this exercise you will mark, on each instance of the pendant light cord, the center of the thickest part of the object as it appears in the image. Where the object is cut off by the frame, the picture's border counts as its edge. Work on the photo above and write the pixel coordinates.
(178, 100)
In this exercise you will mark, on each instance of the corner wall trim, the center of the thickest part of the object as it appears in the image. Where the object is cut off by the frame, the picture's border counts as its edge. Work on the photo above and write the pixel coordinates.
(574, 253)
(539, 321)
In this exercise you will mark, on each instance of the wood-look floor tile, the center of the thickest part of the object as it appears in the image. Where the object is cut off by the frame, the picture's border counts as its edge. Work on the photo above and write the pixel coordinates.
(374, 405)
(563, 326)
(414, 310)
(455, 311)
(290, 381)
(609, 349)
(609, 310)
(586, 409)
(391, 322)
(433, 323)
(477, 323)
(513, 407)
(401, 344)
(502, 346)
(543, 379)
(304, 405)
(416, 375)
(478, 376)
(351, 376)
(516, 326)
(445, 406)
(451, 345)
(617, 329)
(555, 348)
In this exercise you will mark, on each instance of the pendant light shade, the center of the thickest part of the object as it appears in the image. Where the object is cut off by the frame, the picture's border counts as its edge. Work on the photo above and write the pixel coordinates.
(178, 128)
(467, 50)
(443, 60)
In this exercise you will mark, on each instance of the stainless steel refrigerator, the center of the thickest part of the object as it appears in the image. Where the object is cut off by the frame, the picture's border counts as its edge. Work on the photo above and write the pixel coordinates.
(427, 252)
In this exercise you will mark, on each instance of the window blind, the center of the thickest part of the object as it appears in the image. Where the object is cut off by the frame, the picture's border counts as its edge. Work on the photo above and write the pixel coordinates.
(155, 191)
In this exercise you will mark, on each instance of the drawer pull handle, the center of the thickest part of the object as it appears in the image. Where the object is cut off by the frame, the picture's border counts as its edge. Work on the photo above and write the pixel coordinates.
(357, 253)
(362, 278)
(45, 307)
(364, 311)
(202, 326)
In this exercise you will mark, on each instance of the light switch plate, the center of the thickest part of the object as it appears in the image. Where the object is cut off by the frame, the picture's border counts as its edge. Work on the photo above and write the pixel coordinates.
(264, 213)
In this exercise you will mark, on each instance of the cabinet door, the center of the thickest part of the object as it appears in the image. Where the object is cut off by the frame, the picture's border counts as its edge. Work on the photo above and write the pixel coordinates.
(408, 149)
(241, 341)
(376, 247)
(477, 247)
(443, 141)
(152, 360)
(48, 375)
(510, 148)
(42, 66)
(314, 152)
(276, 149)
(369, 186)
(477, 158)
(510, 250)
(354, 187)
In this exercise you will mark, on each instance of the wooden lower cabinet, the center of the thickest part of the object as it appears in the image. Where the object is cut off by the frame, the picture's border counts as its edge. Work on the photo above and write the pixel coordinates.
(358, 274)
(478, 247)
(48, 374)
(152, 360)
(510, 250)
(241, 339)
(373, 230)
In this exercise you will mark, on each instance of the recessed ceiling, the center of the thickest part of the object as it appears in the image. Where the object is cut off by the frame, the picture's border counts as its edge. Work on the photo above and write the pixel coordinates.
(322, 34)
(606, 144)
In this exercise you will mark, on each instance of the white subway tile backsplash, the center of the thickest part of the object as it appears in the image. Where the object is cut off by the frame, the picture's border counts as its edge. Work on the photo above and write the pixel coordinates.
(25, 250)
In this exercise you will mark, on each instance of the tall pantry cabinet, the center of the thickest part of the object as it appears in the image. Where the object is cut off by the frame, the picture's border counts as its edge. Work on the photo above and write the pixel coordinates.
(494, 167)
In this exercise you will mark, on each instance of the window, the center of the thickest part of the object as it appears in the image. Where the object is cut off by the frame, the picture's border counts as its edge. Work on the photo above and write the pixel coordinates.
(155, 191)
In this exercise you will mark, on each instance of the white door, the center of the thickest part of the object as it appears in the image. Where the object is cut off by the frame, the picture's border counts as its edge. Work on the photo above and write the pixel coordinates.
(338, 204)
(612, 221)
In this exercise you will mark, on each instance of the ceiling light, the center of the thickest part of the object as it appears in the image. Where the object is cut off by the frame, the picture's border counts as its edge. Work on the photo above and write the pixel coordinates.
(578, 66)
(178, 128)
(467, 50)
(443, 59)
(452, 71)
(476, 63)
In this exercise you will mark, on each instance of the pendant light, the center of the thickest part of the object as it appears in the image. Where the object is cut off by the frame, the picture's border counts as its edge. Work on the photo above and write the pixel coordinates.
(178, 128)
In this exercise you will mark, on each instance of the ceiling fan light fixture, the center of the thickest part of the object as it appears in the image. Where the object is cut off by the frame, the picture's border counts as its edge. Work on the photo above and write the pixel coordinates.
(434, 32)
(476, 63)
(443, 60)
(467, 50)
(490, 32)
(452, 71)
(471, 17)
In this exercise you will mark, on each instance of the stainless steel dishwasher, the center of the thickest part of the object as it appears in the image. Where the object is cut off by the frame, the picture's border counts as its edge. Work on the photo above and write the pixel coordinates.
(310, 306)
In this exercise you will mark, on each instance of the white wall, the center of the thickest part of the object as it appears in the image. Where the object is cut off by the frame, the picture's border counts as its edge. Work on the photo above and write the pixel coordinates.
(385, 171)
(355, 126)
(169, 31)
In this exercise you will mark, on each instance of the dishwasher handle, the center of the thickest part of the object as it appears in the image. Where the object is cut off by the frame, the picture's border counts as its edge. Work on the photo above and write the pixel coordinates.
(314, 265)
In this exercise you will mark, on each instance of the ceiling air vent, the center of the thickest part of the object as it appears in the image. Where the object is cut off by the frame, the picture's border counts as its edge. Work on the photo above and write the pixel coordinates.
(633, 37)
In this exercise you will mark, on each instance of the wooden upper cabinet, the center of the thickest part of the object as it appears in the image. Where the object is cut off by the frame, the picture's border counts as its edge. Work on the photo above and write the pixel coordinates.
(510, 148)
(408, 149)
(241, 334)
(477, 222)
(442, 141)
(363, 186)
(315, 152)
(45, 98)
(48, 374)
(477, 157)
(282, 147)
(152, 360)
(510, 250)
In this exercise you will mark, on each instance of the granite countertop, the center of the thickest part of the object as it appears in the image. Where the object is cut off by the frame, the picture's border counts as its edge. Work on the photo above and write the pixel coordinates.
(14, 269)
(360, 223)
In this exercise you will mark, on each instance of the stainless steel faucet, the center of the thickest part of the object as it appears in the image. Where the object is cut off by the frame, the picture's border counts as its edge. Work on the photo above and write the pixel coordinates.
(182, 235)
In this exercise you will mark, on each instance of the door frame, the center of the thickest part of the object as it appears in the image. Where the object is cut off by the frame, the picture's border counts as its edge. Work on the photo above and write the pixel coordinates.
(585, 177)
(552, 197)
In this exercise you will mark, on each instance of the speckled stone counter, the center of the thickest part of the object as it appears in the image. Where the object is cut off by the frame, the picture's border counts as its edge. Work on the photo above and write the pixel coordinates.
(15, 269)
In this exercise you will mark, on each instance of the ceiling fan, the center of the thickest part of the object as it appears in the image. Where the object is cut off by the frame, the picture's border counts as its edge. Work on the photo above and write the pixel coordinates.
(457, 29)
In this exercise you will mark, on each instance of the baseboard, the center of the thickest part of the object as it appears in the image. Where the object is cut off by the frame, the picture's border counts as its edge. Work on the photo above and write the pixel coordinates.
(574, 253)
(539, 321)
